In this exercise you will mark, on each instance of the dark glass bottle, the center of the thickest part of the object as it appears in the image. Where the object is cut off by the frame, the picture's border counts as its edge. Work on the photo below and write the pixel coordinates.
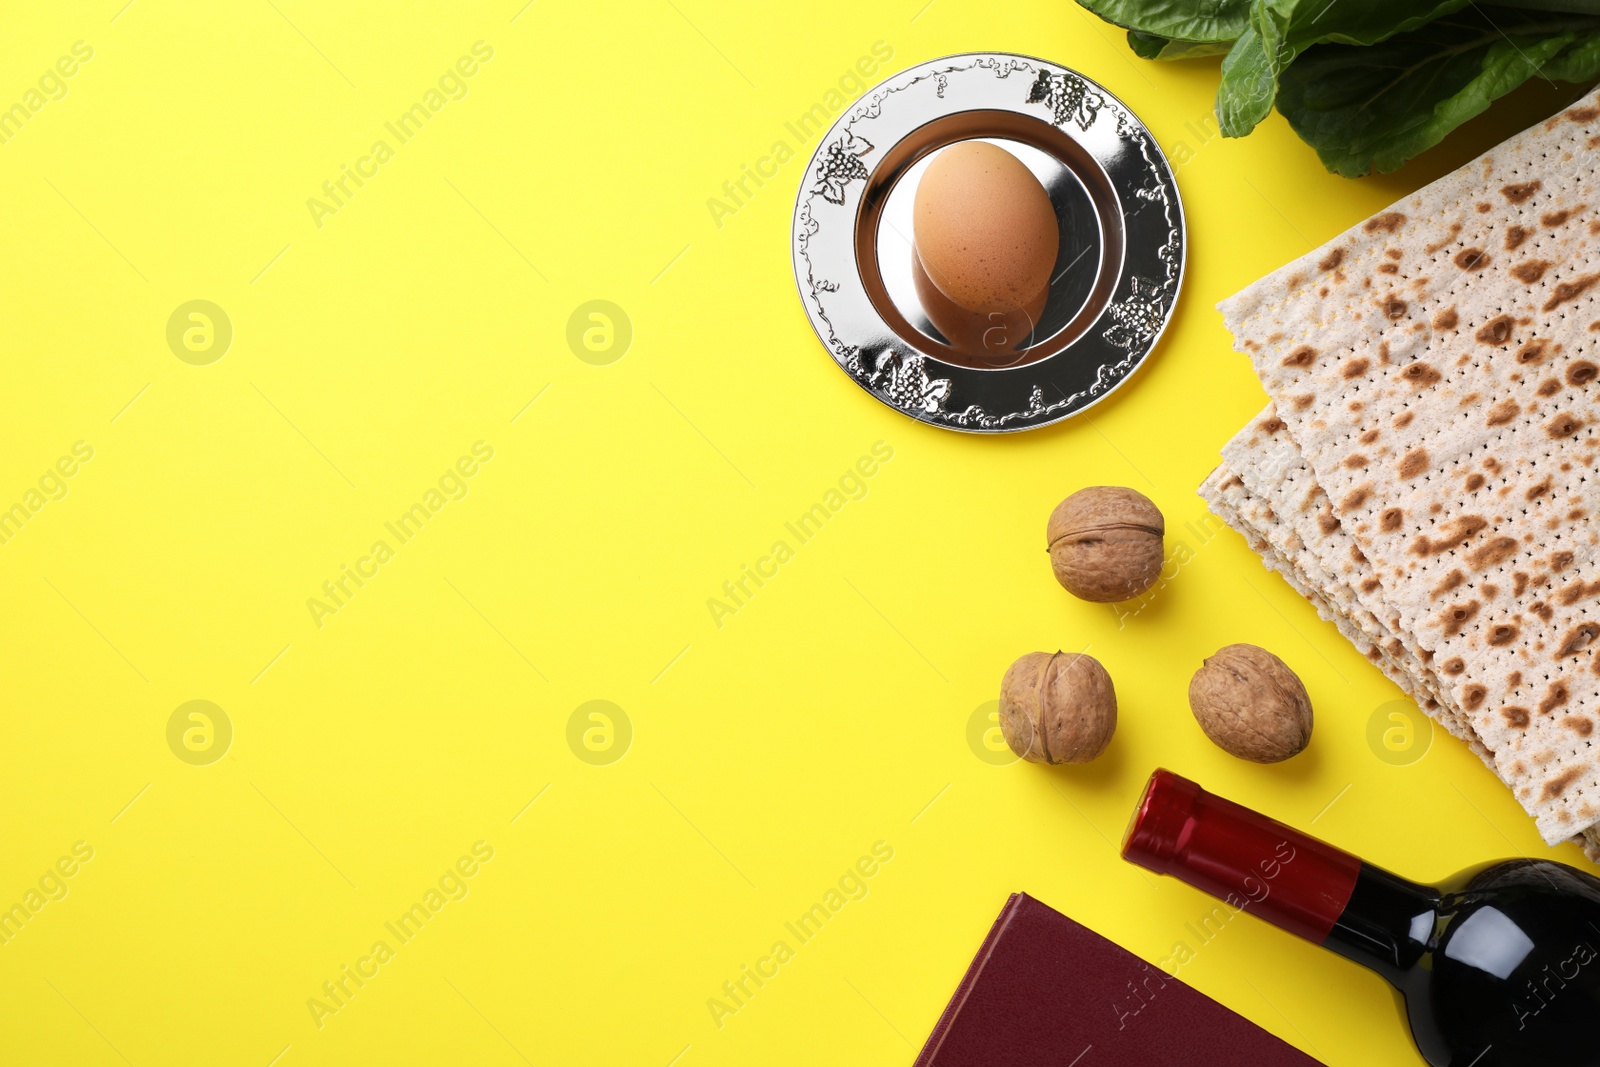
(1497, 967)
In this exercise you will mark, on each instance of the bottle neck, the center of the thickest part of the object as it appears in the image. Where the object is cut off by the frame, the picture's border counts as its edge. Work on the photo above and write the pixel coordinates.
(1279, 874)
(1388, 924)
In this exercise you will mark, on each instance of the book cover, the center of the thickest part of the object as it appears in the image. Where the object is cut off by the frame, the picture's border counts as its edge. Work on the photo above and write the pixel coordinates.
(1045, 991)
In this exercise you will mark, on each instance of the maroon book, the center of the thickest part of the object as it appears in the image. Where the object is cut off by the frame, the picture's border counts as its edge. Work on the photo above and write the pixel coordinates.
(1044, 991)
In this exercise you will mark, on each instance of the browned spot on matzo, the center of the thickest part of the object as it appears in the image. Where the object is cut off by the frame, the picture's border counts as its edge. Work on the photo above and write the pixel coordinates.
(1455, 229)
(1567, 291)
(1394, 308)
(1497, 331)
(1502, 634)
(1530, 270)
(1451, 581)
(1390, 520)
(1471, 259)
(1446, 319)
(1552, 219)
(1581, 372)
(1579, 590)
(1519, 192)
(1356, 497)
(1578, 638)
(1455, 617)
(1455, 532)
(1501, 414)
(1414, 463)
(1579, 725)
(1495, 551)
(1515, 235)
(1558, 785)
(1563, 425)
(1420, 373)
(1554, 697)
(1387, 222)
(1517, 718)
(1355, 368)
(1472, 696)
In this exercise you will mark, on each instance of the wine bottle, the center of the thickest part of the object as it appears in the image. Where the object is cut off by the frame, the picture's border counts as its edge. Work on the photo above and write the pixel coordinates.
(1497, 967)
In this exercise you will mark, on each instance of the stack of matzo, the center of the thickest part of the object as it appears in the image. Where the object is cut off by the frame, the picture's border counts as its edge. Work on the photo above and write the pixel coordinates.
(1429, 471)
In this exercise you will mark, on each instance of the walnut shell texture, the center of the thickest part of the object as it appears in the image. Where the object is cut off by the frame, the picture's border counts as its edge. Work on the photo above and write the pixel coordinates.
(1057, 708)
(1251, 704)
(1105, 543)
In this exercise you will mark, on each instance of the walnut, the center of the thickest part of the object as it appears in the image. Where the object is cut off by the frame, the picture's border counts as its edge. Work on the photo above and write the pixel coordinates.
(1057, 708)
(1105, 543)
(1251, 704)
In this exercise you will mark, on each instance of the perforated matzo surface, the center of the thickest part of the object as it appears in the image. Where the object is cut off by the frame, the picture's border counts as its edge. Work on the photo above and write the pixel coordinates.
(1437, 366)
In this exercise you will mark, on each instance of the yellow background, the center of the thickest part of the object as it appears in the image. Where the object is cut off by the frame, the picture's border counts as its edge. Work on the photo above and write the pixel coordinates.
(767, 754)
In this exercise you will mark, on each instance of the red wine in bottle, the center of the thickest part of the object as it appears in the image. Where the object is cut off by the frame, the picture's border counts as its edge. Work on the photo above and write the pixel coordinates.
(1497, 967)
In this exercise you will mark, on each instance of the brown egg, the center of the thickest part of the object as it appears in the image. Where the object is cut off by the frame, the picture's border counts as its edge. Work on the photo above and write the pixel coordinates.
(985, 240)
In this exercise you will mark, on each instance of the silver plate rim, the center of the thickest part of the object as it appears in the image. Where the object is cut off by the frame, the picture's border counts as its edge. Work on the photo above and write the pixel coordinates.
(871, 101)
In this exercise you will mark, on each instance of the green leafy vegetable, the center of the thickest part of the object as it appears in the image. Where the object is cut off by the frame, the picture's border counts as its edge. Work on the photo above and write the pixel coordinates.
(1579, 63)
(1150, 46)
(1177, 20)
(1287, 28)
(1245, 96)
(1367, 83)
(1366, 109)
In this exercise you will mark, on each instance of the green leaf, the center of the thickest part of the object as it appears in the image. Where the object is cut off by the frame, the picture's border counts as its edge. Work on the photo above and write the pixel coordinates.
(1289, 27)
(1578, 63)
(1178, 20)
(1286, 28)
(1149, 46)
(1374, 108)
(1245, 95)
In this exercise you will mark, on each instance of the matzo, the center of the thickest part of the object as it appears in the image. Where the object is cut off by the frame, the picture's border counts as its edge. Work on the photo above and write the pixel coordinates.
(1264, 455)
(1231, 497)
(1437, 366)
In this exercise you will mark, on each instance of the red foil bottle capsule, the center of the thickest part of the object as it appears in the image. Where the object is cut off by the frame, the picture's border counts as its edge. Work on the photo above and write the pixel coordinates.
(1252, 862)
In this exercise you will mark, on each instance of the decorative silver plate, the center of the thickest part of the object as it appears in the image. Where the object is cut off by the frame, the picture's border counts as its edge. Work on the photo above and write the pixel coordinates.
(1116, 278)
